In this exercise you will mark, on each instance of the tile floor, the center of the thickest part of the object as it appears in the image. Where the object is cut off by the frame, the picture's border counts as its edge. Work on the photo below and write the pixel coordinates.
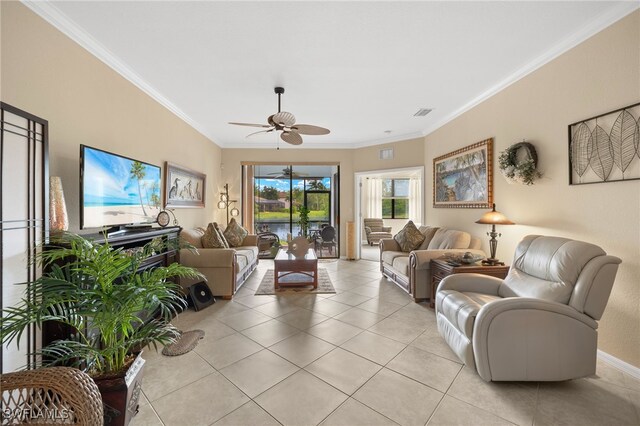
(367, 355)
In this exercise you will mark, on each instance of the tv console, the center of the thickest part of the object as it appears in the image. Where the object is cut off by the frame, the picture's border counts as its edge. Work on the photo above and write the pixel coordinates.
(126, 239)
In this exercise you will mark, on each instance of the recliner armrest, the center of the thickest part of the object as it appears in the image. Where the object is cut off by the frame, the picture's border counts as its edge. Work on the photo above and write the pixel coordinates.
(517, 338)
(389, 244)
(492, 310)
(386, 229)
(208, 258)
(475, 283)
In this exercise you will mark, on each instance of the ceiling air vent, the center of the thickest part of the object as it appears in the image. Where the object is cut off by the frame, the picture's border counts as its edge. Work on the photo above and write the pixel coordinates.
(422, 112)
(386, 154)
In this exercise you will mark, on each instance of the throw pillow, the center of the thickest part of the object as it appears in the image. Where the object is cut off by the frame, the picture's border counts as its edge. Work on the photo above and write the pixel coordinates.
(428, 232)
(211, 239)
(234, 233)
(449, 239)
(409, 238)
(221, 235)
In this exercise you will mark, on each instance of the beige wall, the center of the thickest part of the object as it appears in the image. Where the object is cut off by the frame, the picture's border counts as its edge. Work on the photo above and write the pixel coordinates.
(597, 76)
(406, 154)
(86, 102)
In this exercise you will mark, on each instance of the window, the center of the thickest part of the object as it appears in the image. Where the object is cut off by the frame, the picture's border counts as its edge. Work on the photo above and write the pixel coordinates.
(395, 198)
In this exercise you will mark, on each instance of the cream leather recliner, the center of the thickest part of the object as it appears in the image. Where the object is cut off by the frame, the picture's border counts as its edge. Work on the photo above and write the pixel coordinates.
(539, 323)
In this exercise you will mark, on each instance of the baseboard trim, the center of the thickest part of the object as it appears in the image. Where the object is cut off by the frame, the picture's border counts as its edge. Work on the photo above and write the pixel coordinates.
(625, 367)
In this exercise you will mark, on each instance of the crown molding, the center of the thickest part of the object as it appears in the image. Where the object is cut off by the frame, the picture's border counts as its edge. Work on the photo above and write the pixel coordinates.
(594, 27)
(47, 11)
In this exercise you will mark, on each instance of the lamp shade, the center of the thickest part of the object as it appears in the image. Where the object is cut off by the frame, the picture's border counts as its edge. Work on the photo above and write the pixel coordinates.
(58, 218)
(494, 218)
(235, 212)
(222, 204)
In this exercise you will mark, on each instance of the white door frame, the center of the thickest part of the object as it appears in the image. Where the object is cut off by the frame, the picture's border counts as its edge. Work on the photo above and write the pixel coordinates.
(357, 179)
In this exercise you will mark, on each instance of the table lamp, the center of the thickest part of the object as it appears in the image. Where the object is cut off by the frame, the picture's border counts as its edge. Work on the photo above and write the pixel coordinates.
(493, 218)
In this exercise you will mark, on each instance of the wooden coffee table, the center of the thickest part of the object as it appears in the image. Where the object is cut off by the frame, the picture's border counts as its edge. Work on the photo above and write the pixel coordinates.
(285, 265)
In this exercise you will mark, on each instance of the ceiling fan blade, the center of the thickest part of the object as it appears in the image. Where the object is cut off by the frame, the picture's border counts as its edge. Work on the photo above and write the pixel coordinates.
(266, 126)
(291, 137)
(283, 118)
(308, 129)
(261, 131)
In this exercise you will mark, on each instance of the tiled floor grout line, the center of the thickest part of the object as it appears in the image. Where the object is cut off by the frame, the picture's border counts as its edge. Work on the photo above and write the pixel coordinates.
(386, 294)
(319, 378)
(535, 407)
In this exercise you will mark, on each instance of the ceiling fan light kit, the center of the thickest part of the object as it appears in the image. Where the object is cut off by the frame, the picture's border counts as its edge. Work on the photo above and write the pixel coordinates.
(285, 122)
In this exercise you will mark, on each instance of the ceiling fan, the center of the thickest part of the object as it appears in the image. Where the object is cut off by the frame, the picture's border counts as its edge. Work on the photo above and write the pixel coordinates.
(286, 123)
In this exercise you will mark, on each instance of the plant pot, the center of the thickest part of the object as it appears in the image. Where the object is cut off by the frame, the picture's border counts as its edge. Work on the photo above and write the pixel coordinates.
(120, 395)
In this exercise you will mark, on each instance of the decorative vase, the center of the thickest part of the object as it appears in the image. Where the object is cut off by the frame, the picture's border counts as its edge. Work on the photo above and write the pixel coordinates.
(298, 247)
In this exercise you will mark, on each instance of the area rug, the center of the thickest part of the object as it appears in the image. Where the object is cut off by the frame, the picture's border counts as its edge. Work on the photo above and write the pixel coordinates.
(184, 343)
(324, 284)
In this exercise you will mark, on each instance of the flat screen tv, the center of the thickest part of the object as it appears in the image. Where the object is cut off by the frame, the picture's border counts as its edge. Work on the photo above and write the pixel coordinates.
(116, 190)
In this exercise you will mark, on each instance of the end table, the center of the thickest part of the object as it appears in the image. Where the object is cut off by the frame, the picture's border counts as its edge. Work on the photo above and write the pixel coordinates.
(440, 269)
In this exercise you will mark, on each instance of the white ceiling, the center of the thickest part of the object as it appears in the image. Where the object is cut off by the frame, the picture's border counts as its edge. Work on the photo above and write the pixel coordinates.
(357, 68)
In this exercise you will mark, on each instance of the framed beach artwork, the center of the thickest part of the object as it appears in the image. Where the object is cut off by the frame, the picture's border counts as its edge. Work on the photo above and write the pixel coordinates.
(464, 178)
(183, 187)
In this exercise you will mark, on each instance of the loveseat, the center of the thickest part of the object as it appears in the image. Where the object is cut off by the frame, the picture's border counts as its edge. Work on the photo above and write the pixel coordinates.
(411, 270)
(225, 269)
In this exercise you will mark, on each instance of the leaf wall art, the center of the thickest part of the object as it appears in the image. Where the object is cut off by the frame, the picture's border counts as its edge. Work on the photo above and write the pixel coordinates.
(605, 148)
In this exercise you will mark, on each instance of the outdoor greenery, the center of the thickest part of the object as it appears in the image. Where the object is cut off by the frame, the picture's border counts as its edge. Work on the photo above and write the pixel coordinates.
(303, 214)
(314, 215)
(98, 292)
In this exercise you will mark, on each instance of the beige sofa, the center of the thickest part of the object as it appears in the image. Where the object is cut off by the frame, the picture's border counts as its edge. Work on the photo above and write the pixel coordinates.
(225, 269)
(411, 271)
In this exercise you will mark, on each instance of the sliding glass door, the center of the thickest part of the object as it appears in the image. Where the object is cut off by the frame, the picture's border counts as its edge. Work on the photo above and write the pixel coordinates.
(278, 193)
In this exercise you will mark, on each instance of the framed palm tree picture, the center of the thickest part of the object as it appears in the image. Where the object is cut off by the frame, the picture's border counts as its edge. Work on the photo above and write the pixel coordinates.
(183, 187)
(464, 178)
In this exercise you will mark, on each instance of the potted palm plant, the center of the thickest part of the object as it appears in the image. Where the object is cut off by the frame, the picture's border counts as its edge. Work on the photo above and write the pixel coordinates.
(111, 308)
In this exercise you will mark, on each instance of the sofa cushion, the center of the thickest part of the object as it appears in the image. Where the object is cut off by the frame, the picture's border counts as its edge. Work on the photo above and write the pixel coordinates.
(461, 309)
(449, 239)
(250, 252)
(428, 232)
(401, 265)
(221, 235)
(234, 233)
(192, 236)
(245, 256)
(409, 237)
(211, 238)
(388, 256)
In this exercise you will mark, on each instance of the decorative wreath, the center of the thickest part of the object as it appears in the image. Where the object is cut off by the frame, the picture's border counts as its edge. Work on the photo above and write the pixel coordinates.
(519, 169)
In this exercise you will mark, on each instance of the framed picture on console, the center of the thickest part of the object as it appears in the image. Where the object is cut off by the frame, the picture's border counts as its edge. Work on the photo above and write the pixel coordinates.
(464, 178)
(183, 187)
